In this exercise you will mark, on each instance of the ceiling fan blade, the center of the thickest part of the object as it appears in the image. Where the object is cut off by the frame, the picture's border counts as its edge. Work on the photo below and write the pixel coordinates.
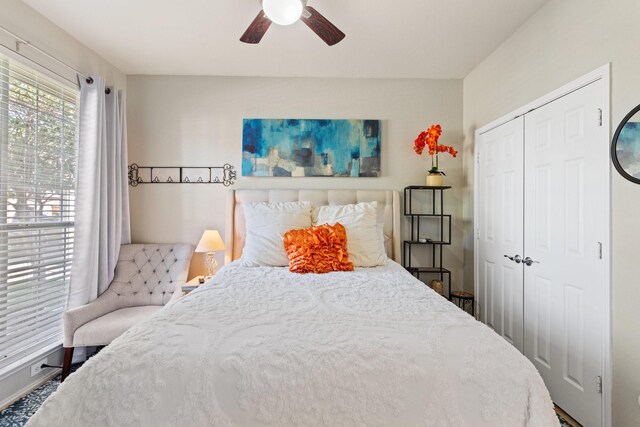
(256, 30)
(322, 27)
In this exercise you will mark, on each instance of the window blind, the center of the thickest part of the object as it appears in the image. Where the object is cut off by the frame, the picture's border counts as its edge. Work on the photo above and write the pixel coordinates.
(38, 150)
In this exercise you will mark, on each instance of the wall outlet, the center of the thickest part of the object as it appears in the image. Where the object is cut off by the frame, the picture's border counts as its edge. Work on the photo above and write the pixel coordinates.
(36, 368)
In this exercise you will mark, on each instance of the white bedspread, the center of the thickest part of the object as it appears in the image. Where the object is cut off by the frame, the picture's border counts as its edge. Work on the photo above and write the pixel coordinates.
(265, 347)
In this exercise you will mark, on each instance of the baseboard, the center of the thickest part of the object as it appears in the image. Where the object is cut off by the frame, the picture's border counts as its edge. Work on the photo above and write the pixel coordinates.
(29, 388)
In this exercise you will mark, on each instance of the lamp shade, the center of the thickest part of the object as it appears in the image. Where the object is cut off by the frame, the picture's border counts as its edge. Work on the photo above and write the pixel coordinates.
(210, 242)
(283, 12)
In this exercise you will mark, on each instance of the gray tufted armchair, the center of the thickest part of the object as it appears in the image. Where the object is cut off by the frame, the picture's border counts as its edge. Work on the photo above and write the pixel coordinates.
(147, 277)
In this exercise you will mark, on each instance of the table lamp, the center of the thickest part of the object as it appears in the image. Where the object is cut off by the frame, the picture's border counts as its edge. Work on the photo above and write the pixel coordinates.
(209, 243)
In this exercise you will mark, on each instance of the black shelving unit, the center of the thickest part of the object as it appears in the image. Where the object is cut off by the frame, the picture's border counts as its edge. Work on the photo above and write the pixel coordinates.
(443, 223)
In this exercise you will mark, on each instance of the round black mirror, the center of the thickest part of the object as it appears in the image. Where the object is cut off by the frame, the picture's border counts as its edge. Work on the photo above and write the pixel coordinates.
(625, 148)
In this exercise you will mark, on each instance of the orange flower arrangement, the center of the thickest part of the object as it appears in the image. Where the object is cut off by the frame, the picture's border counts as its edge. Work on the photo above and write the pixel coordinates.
(429, 139)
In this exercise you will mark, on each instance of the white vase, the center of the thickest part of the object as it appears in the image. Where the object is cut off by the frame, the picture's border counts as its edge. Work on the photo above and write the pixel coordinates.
(435, 179)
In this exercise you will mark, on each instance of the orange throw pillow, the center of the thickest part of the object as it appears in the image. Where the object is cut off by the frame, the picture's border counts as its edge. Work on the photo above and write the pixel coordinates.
(318, 249)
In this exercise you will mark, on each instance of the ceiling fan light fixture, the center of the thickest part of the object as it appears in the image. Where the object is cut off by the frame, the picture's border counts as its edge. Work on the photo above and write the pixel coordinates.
(283, 12)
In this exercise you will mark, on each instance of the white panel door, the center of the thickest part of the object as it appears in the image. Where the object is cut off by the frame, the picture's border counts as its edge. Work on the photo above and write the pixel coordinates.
(564, 201)
(499, 230)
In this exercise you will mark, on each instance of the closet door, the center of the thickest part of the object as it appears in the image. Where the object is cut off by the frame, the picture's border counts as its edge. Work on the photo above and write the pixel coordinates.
(564, 201)
(499, 230)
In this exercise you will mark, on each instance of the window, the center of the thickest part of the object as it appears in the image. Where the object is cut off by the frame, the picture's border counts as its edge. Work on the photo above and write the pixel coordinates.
(38, 150)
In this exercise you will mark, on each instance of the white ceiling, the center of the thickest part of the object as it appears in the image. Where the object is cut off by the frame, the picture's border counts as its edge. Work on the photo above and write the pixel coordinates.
(395, 39)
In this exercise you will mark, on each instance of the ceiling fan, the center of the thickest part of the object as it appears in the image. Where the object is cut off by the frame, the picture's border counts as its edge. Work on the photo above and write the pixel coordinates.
(286, 12)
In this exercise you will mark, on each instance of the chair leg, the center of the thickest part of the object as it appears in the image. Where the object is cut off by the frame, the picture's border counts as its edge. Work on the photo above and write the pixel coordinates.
(66, 363)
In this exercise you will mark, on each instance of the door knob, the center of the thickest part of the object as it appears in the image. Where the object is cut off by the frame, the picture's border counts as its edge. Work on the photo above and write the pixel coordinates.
(515, 258)
(528, 261)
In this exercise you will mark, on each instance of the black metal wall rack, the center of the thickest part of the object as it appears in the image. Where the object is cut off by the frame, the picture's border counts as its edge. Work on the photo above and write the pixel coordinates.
(225, 175)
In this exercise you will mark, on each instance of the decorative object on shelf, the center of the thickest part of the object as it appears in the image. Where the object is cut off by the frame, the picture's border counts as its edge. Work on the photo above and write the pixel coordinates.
(625, 147)
(305, 147)
(437, 286)
(210, 242)
(429, 139)
(435, 179)
(225, 175)
(438, 239)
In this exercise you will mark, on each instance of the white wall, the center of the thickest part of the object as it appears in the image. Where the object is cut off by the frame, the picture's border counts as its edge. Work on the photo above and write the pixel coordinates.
(564, 40)
(190, 121)
(33, 27)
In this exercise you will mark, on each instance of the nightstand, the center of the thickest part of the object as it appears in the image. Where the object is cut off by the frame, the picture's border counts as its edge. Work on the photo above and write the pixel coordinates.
(463, 299)
(191, 285)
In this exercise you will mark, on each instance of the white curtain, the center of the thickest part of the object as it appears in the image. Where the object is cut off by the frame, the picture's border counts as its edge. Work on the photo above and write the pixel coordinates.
(102, 198)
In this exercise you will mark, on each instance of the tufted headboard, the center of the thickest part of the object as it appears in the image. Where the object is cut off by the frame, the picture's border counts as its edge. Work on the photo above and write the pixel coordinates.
(388, 211)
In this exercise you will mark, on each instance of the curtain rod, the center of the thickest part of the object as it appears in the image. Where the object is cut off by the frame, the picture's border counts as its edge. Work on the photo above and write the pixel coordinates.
(20, 40)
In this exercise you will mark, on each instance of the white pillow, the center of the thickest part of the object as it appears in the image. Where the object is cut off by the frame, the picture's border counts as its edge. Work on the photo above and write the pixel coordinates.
(266, 224)
(365, 240)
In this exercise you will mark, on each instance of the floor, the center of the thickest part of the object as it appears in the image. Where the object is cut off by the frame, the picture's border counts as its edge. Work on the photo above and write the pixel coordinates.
(18, 413)
(565, 419)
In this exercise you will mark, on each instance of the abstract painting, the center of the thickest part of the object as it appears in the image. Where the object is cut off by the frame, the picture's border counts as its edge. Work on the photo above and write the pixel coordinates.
(626, 147)
(308, 147)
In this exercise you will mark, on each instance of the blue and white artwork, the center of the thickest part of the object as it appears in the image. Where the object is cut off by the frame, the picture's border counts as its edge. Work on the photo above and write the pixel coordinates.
(628, 148)
(307, 147)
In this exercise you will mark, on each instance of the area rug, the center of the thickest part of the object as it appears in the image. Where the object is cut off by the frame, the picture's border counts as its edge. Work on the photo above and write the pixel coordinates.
(18, 413)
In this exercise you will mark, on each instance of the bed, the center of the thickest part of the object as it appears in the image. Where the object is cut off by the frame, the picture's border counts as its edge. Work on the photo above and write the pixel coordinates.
(260, 346)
